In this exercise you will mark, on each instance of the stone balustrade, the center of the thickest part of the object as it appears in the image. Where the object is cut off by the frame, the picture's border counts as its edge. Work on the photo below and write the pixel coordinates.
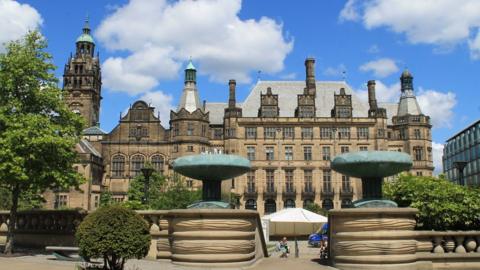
(220, 237)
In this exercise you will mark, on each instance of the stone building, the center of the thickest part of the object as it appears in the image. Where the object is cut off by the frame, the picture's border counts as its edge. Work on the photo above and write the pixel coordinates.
(290, 130)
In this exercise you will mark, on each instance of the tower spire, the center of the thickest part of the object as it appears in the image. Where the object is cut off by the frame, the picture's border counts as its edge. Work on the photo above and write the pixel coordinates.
(86, 26)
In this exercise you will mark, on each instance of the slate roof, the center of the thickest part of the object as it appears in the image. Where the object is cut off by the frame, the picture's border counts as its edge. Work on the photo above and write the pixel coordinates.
(93, 130)
(287, 98)
(84, 147)
(408, 104)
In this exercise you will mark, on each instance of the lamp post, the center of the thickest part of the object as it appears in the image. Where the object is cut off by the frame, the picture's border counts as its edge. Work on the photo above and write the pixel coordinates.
(147, 172)
(460, 165)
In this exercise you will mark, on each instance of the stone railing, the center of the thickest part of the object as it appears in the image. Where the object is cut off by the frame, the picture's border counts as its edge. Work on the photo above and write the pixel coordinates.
(372, 238)
(192, 236)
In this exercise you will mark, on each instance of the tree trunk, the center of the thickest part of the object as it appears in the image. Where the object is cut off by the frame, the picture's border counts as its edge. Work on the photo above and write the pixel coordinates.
(12, 221)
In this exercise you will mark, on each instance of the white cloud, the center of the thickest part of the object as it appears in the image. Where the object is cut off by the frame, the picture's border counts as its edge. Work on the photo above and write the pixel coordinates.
(373, 49)
(162, 102)
(381, 68)
(222, 45)
(338, 71)
(383, 92)
(289, 76)
(474, 46)
(437, 153)
(443, 23)
(17, 19)
(437, 105)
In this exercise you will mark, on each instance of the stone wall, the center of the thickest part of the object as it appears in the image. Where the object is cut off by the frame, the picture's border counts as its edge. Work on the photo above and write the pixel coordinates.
(192, 236)
(385, 239)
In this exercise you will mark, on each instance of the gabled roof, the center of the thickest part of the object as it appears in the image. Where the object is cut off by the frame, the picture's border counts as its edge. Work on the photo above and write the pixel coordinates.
(84, 147)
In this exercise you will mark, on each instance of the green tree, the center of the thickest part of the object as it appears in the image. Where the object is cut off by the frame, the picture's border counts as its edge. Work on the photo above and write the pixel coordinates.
(163, 193)
(313, 207)
(28, 200)
(442, 204)
(37, 131)
(115, 234)
(106, 198)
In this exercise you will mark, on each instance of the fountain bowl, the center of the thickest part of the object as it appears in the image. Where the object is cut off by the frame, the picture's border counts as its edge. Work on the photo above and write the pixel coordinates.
(372, 164)
(211, 167)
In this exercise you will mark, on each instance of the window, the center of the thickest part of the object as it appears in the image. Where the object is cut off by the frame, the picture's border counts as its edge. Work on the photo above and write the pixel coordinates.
(346, 203)
(419, 174)
(118, 165)
(307, 178)
(175, 129)
(289, 181)
(307, 153)
(270, 181)
(326, 133)
(344, 133)
(251, 204)
(117, 199)
(251, 152)
(251, 132)
(190, 129)
(344, 149)
(362, 132)
(416, 134)
(289, 203)
(218, 133)
(269, 132)
(157, 163)
(96, 201)
(403, 134)
(251, 182)
(138, 161)
(175, 148)
(307, 132)
(363, 148)
(327, 180)
(230, 132)
(418, 152)
(288, 152)
(61, 201)
(326, 153)
(138, 131)
(307, 202)
(327, 204)
(343, 112)
(345, 183)
(270, 206)
(189, 183)
(189, 148)
(204, 130)
(288, 133)
(269, 153)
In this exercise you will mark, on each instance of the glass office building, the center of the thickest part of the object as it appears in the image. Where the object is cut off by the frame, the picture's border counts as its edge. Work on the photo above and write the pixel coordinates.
(463, 149)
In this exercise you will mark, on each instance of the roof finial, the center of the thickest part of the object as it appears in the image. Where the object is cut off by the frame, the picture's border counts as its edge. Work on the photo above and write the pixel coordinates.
(86, 27)
(344, 75)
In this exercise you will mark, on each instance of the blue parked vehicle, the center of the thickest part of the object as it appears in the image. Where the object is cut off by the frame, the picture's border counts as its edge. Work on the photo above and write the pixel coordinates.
(315, 239)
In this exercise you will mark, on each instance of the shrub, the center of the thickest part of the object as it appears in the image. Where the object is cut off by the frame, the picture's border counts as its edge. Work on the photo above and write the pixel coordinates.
(115, 234)
(442, 205)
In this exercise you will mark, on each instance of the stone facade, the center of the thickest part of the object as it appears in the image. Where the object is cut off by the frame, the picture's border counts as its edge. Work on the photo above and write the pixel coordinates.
(290, 130)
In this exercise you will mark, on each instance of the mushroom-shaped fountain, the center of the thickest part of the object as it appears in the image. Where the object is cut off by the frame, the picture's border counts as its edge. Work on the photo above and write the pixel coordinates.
(211, 169)
(371, 167)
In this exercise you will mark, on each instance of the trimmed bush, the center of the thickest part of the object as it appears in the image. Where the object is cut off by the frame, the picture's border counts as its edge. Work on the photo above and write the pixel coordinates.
(115, 234)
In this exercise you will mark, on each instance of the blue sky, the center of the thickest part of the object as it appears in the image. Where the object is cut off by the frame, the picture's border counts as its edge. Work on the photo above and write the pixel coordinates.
(144, 46)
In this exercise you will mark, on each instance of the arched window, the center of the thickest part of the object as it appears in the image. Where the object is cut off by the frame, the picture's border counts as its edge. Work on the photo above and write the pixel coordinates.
(138, 161)
(118, 165)
(157, 163)
(251, 204)
(346, 203)
(306, 203)
(327, 204)
(270, 206)
(289, 203)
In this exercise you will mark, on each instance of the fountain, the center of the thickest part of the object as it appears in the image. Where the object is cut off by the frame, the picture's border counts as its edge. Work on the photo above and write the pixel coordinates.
(371, 167)
(211, 169)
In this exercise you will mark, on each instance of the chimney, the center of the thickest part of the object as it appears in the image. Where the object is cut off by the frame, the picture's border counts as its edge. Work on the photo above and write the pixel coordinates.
(372, 100)
(231, 99)
(310, 75)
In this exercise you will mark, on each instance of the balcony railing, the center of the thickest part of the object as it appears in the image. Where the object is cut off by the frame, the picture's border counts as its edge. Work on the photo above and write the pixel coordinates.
(270, 191)
(250, 191)
(289, 192)
(327, 192)
(346, 192)
(308, 192)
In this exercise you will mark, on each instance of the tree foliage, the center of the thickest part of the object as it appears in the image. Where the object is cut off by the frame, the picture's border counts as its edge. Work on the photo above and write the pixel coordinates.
(38, 132)
(443, 205)
(163, 193)
(313, 207)
(115, 234)
(28, 200)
